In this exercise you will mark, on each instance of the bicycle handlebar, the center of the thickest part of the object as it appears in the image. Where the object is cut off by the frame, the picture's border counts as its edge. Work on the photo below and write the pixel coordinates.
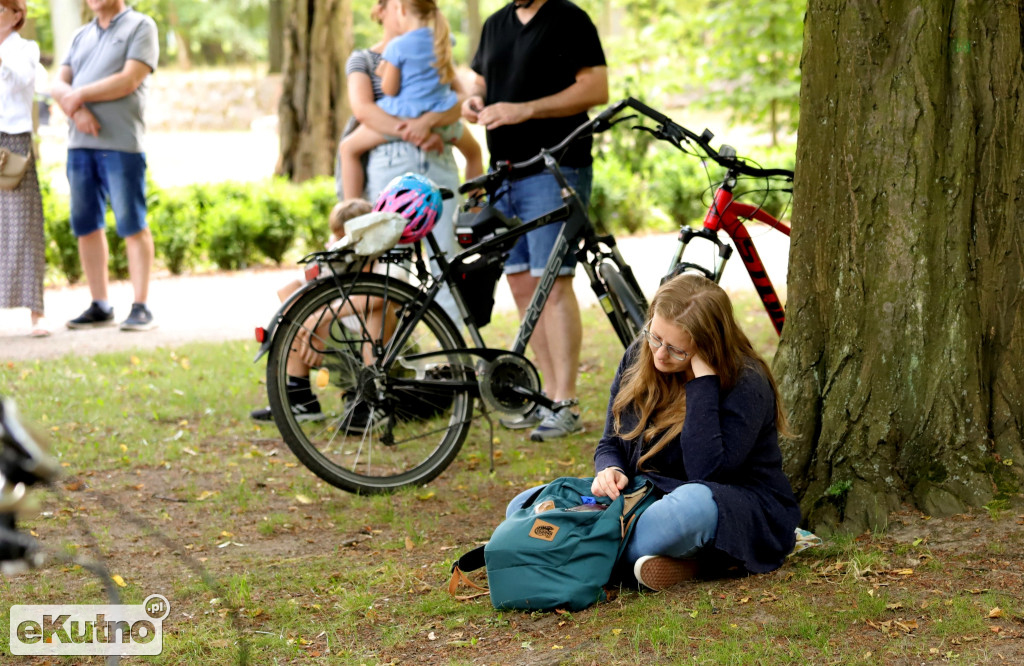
(675, 133)
(668, 130)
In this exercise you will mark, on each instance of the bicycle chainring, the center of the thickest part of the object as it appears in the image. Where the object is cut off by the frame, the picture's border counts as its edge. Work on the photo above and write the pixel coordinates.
(500, 376)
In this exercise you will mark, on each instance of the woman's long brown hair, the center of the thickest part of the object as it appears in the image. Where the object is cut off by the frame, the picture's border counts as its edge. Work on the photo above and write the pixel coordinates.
(704, 310)
(428, 10)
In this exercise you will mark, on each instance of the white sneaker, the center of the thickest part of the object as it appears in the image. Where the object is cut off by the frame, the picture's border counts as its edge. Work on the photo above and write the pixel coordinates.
(557, 424)
(658, 572)
(530, 419)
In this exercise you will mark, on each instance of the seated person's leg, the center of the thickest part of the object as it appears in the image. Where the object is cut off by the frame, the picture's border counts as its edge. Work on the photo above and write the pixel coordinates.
(352, 148)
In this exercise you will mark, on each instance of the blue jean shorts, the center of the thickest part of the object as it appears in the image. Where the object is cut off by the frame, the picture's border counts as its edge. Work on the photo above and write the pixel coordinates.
(530, 198)
(99, 176)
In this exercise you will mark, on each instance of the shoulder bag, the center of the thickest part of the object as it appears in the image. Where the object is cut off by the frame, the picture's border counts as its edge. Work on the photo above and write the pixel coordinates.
(12, 169)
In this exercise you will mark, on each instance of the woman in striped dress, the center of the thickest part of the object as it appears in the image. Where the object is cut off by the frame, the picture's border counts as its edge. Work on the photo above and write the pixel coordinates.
(22, 238)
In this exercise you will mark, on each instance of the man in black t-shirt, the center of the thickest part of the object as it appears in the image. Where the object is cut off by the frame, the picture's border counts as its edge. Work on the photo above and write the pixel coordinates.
(539, 68)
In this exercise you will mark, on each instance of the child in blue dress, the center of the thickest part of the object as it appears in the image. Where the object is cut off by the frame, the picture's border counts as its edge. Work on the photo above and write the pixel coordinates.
(416, 75)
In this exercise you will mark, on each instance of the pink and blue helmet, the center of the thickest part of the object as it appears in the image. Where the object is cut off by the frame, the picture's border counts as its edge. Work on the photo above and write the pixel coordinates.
(415, 198)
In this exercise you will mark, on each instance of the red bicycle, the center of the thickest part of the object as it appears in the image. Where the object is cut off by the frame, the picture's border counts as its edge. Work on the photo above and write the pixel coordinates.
(725, 212)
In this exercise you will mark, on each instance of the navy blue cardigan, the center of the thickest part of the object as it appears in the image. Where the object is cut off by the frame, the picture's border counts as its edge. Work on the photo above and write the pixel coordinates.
(729, 443)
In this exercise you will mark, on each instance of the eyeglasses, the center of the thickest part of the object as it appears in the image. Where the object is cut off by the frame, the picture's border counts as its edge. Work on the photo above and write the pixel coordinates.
(656, 343)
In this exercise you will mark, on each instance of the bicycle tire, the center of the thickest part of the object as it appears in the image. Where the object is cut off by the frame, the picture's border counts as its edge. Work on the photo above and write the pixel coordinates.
(624, 299)
(399, 447)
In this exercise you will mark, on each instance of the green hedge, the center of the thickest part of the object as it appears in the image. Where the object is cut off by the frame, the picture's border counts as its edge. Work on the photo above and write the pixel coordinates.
(639, 185)
(223, 225)
(651, 186)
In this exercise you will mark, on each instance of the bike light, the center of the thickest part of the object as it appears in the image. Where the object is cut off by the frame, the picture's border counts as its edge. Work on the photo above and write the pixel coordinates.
(261, 334)
(312, 272)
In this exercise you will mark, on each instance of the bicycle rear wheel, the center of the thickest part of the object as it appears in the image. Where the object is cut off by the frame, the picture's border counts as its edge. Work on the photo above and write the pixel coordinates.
(625, 300)
(371, 427)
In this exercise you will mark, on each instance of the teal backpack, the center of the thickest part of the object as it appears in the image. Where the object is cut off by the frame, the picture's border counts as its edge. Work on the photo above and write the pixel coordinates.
(559, 549)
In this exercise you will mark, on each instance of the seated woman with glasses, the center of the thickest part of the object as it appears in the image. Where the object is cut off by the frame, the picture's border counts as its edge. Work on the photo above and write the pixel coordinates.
(695, 409)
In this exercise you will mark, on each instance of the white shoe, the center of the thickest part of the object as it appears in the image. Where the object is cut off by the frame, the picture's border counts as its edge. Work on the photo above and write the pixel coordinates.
(658, 572)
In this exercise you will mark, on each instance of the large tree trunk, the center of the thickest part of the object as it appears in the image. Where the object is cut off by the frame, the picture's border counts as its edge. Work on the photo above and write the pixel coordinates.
(313, 104)
(902, 359)
(65, 17)
(275, 36)
(183, 49)
(473, 27)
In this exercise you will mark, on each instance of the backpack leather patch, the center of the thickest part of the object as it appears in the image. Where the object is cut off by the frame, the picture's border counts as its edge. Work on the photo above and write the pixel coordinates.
(543, 530)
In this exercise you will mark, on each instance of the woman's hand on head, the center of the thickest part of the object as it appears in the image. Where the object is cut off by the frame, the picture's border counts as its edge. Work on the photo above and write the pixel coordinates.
(700, 367)
(608, 482)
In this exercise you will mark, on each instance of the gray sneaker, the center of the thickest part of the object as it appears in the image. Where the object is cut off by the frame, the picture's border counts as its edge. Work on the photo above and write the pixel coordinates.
(557, 424)
(140, 319)
(530, 419)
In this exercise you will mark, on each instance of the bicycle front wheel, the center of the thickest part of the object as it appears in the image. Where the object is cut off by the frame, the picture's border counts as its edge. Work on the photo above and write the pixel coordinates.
(373, 419)
(625, 301)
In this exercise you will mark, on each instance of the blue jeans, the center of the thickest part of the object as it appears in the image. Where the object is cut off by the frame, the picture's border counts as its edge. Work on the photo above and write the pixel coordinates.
(396, 158)
(98, 175)
(678, 525)
(530, 198)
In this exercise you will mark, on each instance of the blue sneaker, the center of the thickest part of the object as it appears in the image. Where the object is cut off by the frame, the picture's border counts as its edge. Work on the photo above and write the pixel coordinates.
(140, 319)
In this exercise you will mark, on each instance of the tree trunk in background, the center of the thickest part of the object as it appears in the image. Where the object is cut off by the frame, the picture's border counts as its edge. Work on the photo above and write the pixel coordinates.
(275, 36)
(183, 52)
(902, 359)
(65, 17)
(473, 27)
(313, 106)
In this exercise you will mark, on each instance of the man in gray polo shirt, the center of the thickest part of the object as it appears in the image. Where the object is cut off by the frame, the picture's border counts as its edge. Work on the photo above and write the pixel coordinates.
(102, 90)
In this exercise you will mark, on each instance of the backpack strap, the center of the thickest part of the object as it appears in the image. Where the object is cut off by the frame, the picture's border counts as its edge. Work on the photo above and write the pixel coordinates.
(470, 561)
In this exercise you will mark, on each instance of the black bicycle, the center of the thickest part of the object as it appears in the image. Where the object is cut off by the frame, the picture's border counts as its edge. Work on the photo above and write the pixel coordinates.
(395, 381)
(395, 378)
(23, 463)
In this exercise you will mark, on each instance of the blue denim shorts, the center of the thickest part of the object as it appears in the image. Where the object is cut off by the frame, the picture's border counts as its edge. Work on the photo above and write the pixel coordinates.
(530, 198)
(99, 176)
(390, 160)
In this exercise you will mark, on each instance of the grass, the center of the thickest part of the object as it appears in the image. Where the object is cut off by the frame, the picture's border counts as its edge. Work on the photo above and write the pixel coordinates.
(171, 485)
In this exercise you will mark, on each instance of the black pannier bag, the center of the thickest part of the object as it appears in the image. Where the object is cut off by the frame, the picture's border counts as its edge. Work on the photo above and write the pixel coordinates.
(477, 281)
(478, 276)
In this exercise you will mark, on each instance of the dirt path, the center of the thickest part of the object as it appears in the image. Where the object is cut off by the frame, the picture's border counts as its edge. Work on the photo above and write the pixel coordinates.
(221, 306)
(228, 306)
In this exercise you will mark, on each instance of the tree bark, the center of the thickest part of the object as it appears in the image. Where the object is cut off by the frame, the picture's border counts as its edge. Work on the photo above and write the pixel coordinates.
(65, 17)
(275, 36)
(474, 26)
(902, 360)
(183, 51)
(314, 104)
